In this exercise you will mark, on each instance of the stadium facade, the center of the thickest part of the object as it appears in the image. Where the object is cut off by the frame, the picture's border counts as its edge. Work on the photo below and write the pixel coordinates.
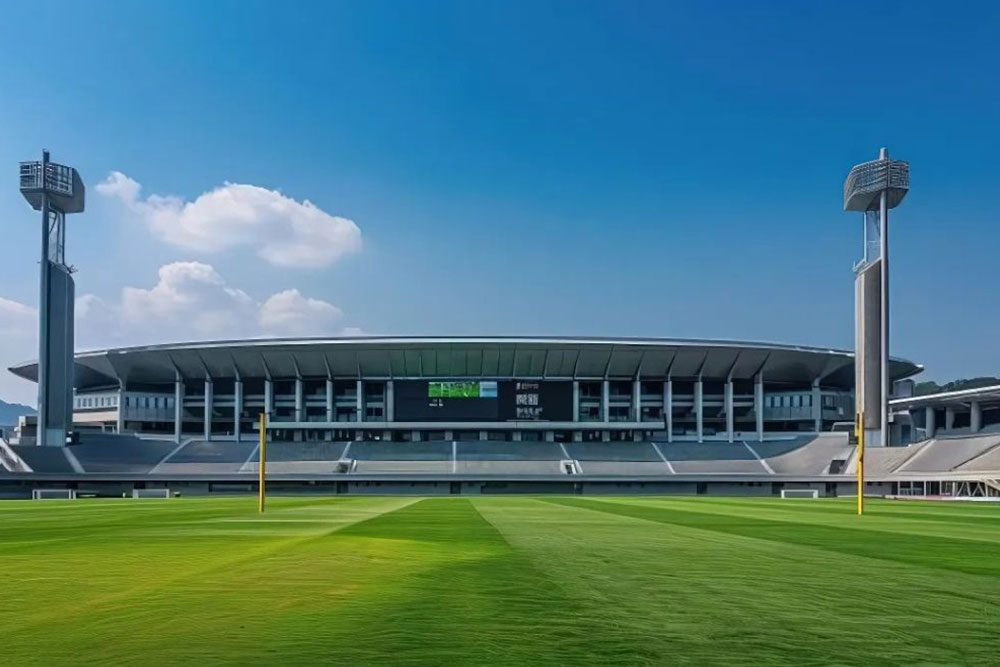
(468, 415)
(406, 389)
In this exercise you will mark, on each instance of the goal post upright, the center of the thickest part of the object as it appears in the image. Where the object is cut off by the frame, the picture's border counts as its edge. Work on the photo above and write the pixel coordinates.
(861, 462)
(262, 465)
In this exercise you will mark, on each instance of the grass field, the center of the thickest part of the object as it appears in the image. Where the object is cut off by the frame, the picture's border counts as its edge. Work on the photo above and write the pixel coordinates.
(498, 581)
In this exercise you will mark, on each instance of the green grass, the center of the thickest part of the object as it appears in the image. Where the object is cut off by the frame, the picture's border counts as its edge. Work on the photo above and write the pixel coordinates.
(498, 581)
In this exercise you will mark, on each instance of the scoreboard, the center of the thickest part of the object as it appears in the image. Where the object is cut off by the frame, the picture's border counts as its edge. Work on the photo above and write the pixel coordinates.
(485, 400)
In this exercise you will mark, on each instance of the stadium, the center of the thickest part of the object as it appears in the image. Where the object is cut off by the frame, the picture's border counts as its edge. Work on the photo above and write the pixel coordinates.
(462, 415)
(495, 500)
(466, 415)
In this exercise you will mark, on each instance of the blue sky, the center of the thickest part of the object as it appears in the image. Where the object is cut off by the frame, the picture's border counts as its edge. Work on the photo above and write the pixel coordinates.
(620, 168)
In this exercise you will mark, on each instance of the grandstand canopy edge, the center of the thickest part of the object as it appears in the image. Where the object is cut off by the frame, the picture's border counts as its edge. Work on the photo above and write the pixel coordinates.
(402, 357)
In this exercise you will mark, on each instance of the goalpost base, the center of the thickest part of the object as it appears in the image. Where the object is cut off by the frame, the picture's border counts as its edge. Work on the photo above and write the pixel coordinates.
(53, 494)
(806, 494)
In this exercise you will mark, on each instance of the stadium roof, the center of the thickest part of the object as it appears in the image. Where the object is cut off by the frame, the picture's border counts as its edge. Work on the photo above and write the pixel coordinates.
(989, 394)
(466, 356)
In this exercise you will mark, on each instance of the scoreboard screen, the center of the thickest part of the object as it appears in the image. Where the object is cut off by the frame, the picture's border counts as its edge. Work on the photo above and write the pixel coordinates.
(482, 400)
(522, 400)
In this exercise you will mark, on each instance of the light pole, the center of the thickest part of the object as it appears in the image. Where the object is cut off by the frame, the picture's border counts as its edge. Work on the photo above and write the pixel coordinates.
(55, 190)
(873, 188)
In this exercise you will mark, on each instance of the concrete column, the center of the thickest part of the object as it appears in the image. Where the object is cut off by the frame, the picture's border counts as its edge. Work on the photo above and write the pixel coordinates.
(269, 398)
(975, 417)
(758, 405)
(550, 436)
(577, 436)
(817, 407)
(390, 402)
(576, 400)
(516, 436)
(484, 435)
(668, 408)
(299, 403)
(605, 401)
(237, 408)
(360, 401)
(329, 400)
(949, 418)
(730, 422)
(208, 409)
(415, 436)
(120, 426)
(636, 400)
(929, 426)
(699, 409)
(178, 409)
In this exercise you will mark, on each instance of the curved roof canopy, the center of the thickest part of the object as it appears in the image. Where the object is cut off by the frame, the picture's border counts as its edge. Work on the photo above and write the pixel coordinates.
(491, 357)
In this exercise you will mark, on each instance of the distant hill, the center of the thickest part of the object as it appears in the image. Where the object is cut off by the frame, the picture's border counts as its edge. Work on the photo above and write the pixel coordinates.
(9, 412)
(924, 388)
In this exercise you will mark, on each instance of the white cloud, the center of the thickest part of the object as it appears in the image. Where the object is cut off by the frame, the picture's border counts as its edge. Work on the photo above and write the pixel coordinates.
(192, 301)
(284, 231)
(189, 301)
(18, 342)
(17, 319)
(290, 312)
(188, 296)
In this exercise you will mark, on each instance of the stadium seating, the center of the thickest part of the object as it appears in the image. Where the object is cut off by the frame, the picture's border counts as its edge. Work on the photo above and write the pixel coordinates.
(882, 460)
(617, 458)
(299, 458)
(988, 461)
(100, 452)
(948, 453)
(498, 450)
(410, 466)
(203, 457)
(302, 451)
(626, 468)
(401, 457)
(44, 459)
(809, 456)
(706, 457)
(400, 451)
(612, 451)
(508, 467)
(496, 457)
(825, 454)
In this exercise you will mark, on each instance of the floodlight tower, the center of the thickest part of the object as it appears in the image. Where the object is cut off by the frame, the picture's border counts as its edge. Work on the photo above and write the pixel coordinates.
(873, 188)
(55, 190)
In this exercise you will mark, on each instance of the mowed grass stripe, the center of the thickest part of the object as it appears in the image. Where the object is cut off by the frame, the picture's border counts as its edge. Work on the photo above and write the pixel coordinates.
(467, 597)
(482, 581)
(844, 516)
(697, 597)
(109, 574)
(960, 555)
(950, 512)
